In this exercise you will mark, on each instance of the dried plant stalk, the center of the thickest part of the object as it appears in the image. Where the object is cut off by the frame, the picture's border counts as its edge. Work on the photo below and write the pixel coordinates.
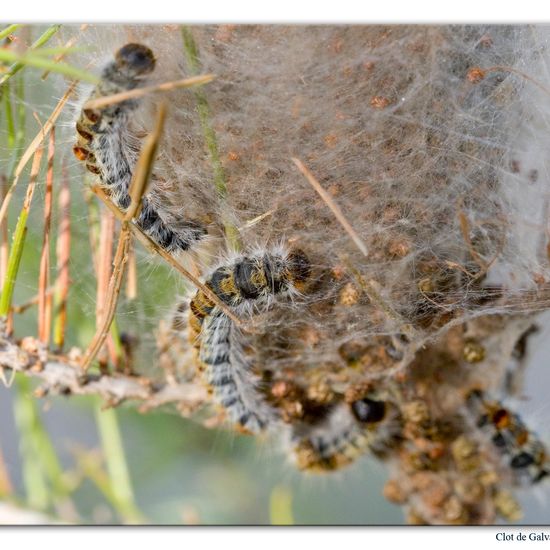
(45, 297)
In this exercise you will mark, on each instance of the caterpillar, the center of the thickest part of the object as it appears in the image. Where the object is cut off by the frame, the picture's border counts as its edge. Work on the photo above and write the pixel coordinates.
(249, 280)
(528, 456)
(348, 432)
(108, 150)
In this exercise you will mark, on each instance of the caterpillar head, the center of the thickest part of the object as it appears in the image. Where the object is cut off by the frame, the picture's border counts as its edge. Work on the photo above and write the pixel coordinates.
(368, 411)
(135, 60)
(299, 268)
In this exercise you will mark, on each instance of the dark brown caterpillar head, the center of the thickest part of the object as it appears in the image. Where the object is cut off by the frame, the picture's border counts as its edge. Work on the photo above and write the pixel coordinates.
(299, 267)
(368, 410)
(135, 60)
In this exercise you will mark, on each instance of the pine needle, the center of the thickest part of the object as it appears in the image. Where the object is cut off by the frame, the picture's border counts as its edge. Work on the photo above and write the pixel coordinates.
(328, 200)
(44, 297)
(8, 30)
(19, 61)
(192, 53)
(19, 236)
(113, 292)
(136, 93)
(142, 172)
(63, 250)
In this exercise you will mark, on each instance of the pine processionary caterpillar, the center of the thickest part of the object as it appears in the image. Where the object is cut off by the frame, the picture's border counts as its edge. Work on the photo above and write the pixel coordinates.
(348, 432)
(509, 434)
(250, 280)
(229, 374)
(108, 150)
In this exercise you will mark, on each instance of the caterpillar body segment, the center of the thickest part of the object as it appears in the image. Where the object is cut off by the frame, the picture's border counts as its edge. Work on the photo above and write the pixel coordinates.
(347, 433)
(335, 443)
(526, 454)
(109, 150)
(251, 280)
(230, 375)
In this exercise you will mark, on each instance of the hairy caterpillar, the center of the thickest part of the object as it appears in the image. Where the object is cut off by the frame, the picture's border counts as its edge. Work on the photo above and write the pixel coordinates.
(250, 280)
(509, 434)
(348, 432)
(108, 150)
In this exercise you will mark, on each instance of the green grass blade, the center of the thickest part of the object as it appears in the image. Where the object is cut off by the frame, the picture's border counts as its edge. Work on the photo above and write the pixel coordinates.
(44, 52)
(19, 236)
(37, 61)
(34, 480)
(45, 36)
(21, 115)
(119, 478)
(193, 60)
(280, 506)
(40, 41)
(45, 483)
(10, 124)
(13, 263)
(8, 30)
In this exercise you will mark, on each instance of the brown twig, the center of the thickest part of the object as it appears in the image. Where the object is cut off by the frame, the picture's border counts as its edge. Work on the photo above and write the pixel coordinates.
(465, 230)
(63, 249)
(21, 308)
(113, 292)
(153, 247)
(144, 166)
(108, 297)
(131, 274)
(483, 265)
(44, 297)
(104, 258)
(328, 200)
(136, 93)
(63, 376)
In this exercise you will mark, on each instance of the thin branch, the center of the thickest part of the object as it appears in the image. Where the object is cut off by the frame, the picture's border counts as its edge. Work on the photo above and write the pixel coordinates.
(63, 251)
(131, 274)
(113, 292)
(44, 298)
(328, 200)
(153, 247)
(62, 376)
(144, 166)
(106, 312)
(136, 93)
